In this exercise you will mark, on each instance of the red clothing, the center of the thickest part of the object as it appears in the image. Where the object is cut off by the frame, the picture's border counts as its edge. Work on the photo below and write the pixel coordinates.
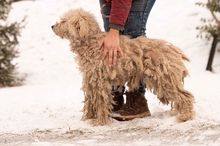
(119, 12)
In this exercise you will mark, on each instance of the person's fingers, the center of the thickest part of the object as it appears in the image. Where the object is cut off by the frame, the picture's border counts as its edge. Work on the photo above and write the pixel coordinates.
(121, 52)
(115, 57)
(100, 44)
(110, 56)
(104, 53)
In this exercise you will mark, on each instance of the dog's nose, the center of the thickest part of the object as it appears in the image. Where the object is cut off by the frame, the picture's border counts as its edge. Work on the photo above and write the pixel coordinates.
(52, 26)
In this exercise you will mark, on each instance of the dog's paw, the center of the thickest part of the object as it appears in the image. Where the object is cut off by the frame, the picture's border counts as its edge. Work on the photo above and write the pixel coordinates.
(186, 116)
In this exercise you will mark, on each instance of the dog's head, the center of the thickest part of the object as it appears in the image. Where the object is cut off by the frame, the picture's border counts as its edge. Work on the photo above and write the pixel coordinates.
(76, 24)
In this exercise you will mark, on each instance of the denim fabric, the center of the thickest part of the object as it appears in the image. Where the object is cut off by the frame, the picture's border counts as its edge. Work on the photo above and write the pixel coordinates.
(137, 18)
(136, 24)
(106, 11)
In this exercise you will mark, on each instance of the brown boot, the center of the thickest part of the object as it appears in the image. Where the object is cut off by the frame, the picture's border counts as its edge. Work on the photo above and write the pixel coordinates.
(119, 100)
(135, 107)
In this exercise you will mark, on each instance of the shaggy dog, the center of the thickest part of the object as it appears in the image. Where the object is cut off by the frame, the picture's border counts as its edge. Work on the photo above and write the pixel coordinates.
(158, 64)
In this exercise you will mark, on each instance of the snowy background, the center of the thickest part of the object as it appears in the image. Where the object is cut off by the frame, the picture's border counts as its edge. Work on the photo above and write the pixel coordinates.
(46, 110)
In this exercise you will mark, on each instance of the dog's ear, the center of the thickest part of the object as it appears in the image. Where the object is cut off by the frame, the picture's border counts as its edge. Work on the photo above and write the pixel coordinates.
(84, 28)
(78, 26)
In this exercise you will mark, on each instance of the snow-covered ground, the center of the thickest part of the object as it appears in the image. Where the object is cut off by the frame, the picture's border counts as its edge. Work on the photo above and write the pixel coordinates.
(46, 110)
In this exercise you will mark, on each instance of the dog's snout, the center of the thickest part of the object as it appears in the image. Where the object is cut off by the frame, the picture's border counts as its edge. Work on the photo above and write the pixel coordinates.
(52, 26)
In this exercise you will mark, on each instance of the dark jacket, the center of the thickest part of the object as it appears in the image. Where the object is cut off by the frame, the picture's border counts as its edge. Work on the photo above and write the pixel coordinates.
(119, 13)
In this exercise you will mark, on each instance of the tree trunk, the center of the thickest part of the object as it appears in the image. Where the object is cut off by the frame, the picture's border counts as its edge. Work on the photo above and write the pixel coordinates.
(22, 0)
(212, 52)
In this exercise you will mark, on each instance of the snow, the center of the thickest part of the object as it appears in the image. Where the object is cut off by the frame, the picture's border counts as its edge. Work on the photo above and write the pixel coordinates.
(46, 110)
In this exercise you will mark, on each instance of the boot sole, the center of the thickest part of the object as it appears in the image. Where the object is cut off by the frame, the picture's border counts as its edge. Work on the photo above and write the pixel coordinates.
(130, 117)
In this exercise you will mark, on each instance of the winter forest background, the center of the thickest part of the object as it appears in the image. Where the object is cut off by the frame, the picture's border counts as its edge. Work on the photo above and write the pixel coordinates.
(40, 94)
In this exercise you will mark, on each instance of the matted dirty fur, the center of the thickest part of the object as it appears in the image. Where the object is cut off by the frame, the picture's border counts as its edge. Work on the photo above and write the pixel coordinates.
(157, 63)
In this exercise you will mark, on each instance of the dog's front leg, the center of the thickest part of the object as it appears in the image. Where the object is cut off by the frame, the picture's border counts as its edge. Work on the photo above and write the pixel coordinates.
(98, 98)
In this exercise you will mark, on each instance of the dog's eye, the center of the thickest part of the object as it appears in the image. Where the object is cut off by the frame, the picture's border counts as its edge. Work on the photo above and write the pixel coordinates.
(63, 21)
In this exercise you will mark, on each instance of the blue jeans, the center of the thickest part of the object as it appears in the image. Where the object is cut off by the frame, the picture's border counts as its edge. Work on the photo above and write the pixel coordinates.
(136, 24)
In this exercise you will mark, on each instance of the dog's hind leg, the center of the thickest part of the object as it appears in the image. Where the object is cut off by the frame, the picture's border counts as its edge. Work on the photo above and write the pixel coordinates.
(169, 89)
(184, 105)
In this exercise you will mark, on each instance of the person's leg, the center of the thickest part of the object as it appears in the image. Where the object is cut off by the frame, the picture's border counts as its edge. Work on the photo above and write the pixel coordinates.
(136, 26)
(137, 21)
(136, 104)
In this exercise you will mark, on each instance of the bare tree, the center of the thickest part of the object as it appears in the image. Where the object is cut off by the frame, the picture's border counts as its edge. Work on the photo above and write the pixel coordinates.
(211, 28)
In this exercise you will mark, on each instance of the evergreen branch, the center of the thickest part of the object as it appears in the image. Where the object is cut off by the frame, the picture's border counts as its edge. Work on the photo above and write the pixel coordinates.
(214, 16)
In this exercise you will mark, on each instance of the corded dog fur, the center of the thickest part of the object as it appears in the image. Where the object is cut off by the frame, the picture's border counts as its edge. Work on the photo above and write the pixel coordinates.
(157, 63)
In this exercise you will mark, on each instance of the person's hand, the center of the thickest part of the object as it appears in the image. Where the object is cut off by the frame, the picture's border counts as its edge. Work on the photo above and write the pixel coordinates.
(111, 45)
